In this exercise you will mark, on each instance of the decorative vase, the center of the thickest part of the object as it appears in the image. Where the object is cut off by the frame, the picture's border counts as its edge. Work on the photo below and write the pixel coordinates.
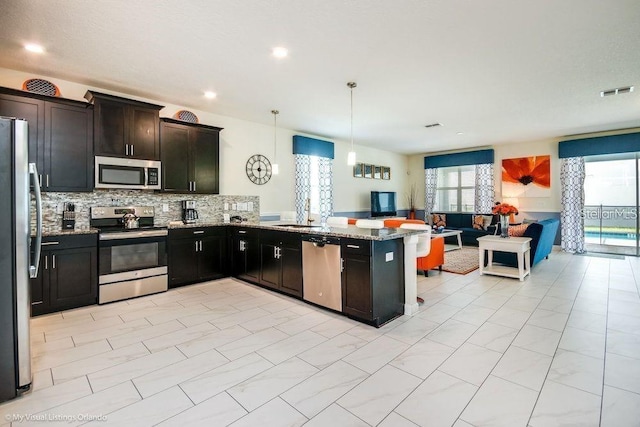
(504, 226)
(412, 214)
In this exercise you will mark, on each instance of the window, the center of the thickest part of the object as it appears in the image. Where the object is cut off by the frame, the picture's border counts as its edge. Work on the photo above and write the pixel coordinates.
(314, 181)
(455, 189)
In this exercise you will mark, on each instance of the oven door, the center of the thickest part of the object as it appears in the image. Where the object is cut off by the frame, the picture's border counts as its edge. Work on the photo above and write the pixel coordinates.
(133, 254)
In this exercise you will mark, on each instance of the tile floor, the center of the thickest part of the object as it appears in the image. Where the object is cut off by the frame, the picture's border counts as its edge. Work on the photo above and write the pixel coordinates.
(561, 348)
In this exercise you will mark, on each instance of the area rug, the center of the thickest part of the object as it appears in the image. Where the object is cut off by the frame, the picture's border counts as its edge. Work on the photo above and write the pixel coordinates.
(462, 261)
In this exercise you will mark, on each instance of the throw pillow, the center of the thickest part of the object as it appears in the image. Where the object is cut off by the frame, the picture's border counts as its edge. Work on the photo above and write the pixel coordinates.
(487, 220)
(517, 230)
(478, 222)
(439, 220)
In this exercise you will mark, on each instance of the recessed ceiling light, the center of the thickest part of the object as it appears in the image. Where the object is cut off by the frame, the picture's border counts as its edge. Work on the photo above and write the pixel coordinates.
(210, 95)
(460, 133)
(35, 48)
(280, 52)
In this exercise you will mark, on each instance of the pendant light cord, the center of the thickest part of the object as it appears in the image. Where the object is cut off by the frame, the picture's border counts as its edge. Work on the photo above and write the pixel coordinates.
(351, 86)
(275, 134)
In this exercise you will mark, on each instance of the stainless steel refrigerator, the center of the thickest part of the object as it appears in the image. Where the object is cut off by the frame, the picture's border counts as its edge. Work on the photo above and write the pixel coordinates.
(18, 260)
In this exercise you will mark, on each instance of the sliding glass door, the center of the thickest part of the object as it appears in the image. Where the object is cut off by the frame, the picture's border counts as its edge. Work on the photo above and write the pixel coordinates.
(611, 204)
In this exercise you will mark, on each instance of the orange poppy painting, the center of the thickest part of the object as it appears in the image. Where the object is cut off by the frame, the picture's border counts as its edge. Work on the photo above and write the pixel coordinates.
(526, 177)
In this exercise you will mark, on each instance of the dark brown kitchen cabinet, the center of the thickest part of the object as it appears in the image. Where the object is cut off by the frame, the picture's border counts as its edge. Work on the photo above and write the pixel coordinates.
(190, 156)
(281, 261)
(124, 127)
(196, 254)
(60, 138)
(68, 274)
(245, 254)
(372, 279)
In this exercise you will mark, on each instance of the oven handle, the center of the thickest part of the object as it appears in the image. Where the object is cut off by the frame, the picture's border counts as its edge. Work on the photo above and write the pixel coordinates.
(133, 235)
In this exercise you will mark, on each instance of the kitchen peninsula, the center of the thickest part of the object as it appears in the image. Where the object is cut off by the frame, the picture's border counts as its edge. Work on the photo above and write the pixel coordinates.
(370, 262)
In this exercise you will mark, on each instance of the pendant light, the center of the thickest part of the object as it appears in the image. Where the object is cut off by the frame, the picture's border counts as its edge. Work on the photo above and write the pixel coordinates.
(351, 157)
(274, 167)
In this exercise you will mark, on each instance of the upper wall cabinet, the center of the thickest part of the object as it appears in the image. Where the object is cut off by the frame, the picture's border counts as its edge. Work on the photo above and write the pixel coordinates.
(124, 127)
(190, 157)
(60, 137)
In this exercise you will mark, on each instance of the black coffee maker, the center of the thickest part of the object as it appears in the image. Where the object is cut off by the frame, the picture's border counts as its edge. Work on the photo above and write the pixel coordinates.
(189, 212)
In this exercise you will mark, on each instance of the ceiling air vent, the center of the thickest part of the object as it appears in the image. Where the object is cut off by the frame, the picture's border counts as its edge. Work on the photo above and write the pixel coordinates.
(433, 125)
(617, 91)
(186, 116)
(40, 86)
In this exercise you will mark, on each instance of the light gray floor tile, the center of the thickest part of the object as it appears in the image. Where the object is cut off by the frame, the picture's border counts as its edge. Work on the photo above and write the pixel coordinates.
(251, 343)
(335, 415)
(548, 319)
(559, 305)
(395, 420)
(588, 321)
(140, 335)
(542, 340)
(412, 331)
(438, 401)
(510, 317)
(422, 358)
(471, 363)
(374, 398)
(322, 389)
(474, 314)
(623, 344)
(523, 367)
(561, 405)
(500, 402)
(150, 411)
(577, 370)
(452, 333)
(622, 372)
(178, 337)
(266, 385)
(332, 350)
(494, 337)
(376, 354)
(438, 313)
(583, 342)
(290, 347)
(212, 340)
(620, 408)
(61, 357)
(274, 413)
(218, 410)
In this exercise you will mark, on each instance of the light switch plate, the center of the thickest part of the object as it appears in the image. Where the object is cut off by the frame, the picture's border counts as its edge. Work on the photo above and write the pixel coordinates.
(226, 206)
(165, 207)
(234, 207)
(250, 206)
(388, 257)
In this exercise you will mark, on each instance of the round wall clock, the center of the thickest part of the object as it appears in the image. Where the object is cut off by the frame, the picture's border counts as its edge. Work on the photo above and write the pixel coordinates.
(259, 169)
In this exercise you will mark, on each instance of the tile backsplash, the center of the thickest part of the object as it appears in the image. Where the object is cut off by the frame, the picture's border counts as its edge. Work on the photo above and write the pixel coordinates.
(210, 207)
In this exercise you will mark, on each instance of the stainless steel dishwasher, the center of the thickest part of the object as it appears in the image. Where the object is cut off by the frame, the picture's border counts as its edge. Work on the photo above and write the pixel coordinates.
(321, 275)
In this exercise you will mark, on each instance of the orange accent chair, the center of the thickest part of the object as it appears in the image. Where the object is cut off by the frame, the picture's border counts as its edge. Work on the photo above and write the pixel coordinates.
(396, 223)
(435, 257)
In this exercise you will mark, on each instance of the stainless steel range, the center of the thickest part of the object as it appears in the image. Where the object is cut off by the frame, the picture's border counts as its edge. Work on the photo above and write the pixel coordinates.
(132, 252)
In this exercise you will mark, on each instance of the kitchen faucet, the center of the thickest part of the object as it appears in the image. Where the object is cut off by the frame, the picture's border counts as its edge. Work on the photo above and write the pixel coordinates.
(307, 208)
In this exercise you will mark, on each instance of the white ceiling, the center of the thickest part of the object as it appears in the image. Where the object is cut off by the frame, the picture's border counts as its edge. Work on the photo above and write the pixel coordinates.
(500, 71)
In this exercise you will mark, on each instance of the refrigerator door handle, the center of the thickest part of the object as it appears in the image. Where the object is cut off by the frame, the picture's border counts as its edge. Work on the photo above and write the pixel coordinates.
(35, 261)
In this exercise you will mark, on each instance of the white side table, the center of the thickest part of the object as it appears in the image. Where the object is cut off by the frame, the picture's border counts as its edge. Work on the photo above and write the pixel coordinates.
(521, 246)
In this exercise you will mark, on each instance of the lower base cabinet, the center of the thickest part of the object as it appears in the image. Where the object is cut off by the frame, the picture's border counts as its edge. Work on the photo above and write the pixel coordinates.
(68, 274)
(196, 254)
(372, 279)
(281, 261)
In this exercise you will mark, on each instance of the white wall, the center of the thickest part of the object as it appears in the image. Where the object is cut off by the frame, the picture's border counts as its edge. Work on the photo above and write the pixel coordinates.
(240, 139)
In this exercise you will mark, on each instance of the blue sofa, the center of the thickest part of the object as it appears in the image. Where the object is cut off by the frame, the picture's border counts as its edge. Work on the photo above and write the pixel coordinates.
(542, 234)
(463, 222)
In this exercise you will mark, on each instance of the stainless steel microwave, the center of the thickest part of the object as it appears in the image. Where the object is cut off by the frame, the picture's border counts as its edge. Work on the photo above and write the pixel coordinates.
(133, 174)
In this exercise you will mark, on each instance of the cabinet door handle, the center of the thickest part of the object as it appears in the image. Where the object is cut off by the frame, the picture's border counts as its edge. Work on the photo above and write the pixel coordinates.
(194, 186)
(341, 265)
(126, 149)
(49, 243)
(40, 180)
(353, 246)
(200, 245)
(53, 261)
(132, 149)
(47, 180)
(46, 262)
(243, 246)
(196, 242)
(199, 232)
(242, 232)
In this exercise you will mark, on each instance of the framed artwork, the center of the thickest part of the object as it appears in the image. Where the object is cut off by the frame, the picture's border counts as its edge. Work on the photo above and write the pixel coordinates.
(386, 172)
(358, 170)
(368, 171)
(526, 177)
(377, 172)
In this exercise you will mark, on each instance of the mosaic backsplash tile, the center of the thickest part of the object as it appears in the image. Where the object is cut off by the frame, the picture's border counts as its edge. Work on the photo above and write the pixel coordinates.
(210, 207)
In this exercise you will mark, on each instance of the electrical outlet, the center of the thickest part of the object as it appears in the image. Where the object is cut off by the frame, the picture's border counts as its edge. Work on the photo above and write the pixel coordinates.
(250, 206)
(234, 207)
(226, 206)
(165, 207)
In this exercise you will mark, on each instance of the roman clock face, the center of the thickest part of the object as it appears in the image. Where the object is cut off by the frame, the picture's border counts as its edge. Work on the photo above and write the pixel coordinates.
(259, 169)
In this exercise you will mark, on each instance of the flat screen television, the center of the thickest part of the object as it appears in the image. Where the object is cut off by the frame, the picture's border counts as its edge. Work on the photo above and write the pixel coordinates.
(383, 203)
